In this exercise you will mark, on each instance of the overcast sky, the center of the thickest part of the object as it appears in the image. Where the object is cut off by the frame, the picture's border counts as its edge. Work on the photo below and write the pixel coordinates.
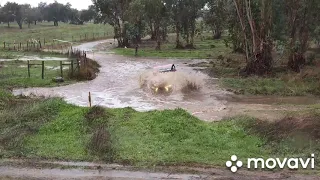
(78, 4)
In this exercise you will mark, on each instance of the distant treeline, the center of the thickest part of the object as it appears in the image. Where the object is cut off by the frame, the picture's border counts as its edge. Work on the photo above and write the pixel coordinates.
(54, 12)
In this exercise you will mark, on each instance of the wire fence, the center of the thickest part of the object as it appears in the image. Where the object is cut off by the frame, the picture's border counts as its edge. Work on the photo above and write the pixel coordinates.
(38, 44)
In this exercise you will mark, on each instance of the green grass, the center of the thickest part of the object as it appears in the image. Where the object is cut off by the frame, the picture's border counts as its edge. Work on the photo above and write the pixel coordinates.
(169, 137)
(46, 31)
(6, 54)
(279, 82)
(52, 129)
(62, 138)
(270, 86)
(156, 137)
(22, 118)
(14, 74)
(204, 49)
(176, 137)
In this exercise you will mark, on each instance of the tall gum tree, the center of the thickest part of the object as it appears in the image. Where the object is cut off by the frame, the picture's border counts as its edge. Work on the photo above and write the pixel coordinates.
(113, 12)
(302, 19)
(255, 18)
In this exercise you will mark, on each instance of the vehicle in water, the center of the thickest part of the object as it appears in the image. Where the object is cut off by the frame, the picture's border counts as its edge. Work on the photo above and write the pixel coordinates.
(157, 79)
(166, 68)
(163, 87)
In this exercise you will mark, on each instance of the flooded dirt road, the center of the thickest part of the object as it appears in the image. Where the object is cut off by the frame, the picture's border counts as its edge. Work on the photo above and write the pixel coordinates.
(117, 85)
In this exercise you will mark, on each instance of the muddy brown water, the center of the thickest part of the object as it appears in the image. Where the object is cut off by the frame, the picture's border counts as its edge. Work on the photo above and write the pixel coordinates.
(117, 85)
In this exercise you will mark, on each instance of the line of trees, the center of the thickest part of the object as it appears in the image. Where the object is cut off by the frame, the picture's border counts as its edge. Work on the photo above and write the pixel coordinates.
(253, 26)
(53, 12)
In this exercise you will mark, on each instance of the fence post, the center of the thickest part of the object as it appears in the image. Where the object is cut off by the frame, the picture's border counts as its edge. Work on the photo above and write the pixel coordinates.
(71, 68)
(20, 45)
(90, 99)
(4, 45)
(42, 72)
(28, 68)
(61, 69)
(78, 65)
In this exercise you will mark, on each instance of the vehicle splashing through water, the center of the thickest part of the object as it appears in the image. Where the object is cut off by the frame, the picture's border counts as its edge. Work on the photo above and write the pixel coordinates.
(164, 81)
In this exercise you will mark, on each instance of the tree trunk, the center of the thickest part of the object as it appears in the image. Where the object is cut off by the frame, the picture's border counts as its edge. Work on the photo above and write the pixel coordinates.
(296, 61)
(178, 43)
(138, 37)
(260, 47)
(157, 30)
(8, 24)
(20, 24)
(191, 44)
(217, 33)
(153, 33)
(299, 31)
(35, 22)
(245, 40)
(164, 34)
(187, 40)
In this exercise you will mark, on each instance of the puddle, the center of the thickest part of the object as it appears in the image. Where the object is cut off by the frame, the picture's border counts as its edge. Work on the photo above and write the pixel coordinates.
(117, 86)
(56, 67)
(36, 58)
(42, 170)
(85, 174)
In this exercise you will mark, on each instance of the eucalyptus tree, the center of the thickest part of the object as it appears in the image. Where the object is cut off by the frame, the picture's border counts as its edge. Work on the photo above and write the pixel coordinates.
(9, 11)
(302, 19)
(255, 19)
(215, 16)
(113, 12)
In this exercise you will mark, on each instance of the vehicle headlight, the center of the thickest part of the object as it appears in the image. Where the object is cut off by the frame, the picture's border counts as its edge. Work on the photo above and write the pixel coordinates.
(167, 88)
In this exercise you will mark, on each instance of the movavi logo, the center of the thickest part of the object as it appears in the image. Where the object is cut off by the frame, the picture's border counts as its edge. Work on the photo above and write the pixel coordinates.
(272, 163)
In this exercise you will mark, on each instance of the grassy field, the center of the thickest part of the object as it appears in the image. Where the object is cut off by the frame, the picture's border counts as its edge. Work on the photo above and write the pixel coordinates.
(280, 81)
(52, 129)
(6, 54)
(205, 49)
(46, 31)
(14, 74)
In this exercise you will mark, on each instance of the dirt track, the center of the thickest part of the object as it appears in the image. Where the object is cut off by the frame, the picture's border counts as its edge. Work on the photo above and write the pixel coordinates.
(43, 170)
